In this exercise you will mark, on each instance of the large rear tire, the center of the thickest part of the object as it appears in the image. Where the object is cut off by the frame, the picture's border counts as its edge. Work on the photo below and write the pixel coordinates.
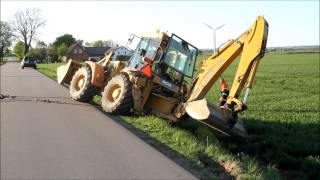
(80, 87)
(117, 95)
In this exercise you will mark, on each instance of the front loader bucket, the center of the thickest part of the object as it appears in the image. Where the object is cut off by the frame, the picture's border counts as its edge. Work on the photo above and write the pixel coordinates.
(216, 118)
(65, 72)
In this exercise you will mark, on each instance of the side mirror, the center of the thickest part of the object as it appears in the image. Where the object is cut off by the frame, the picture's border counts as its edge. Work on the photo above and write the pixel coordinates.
(130, 39)
(132, 42)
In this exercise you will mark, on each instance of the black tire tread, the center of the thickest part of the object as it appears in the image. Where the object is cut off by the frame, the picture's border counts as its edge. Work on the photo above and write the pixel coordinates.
(88, 91)
(125, 103)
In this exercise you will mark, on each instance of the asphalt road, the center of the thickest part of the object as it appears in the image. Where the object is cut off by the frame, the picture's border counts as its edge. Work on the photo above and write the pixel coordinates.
(46, 135)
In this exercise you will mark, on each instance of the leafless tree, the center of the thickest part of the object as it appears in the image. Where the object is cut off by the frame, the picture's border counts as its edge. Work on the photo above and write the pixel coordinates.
(5, 38)
(26, 24)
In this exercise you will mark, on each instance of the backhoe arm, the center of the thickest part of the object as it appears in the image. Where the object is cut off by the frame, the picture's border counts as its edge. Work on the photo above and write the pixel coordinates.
(251, 45)
(253, 50)
(212, 68)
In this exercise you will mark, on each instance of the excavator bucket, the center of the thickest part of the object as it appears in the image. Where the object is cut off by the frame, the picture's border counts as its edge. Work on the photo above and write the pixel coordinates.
(65, 72)
(215, 117)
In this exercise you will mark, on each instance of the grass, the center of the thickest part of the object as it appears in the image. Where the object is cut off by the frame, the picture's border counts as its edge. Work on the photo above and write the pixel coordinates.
(49, 70)
(283, 121)
(3, 62)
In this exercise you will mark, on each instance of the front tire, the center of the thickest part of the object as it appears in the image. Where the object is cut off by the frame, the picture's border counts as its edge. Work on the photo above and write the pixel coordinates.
(81, 88)
(117, 95)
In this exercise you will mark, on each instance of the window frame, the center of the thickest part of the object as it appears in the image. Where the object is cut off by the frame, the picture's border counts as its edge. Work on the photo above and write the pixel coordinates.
(166, 52)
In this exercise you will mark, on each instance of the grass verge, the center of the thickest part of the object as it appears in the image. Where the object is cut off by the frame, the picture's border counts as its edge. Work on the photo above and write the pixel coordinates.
(49, 70)
(2, 62)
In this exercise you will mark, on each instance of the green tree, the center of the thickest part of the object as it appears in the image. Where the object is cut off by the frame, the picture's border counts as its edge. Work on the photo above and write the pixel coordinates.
(52, 53)
(18, 49)
(99, 43)
(102, 43)
(111, 43)
(80, 42)
(40, 51)
(88, 44)
(5, 38)
(26, 24)
(51, 50)
(35, 52)
(66, 39)
(41, 45)
(61, 51)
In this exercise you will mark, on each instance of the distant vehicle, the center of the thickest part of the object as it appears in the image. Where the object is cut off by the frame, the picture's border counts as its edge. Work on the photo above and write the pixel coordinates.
(29, 62)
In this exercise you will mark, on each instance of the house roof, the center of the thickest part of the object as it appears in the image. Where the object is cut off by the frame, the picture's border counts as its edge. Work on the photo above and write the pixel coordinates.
(91, 51)
(96, 51)
(73, 46)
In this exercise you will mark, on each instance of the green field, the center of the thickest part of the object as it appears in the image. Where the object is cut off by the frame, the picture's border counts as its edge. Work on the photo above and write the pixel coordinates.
(283, 121)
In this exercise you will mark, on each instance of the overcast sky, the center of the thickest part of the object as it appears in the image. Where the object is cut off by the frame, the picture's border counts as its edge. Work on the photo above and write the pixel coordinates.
(290, 22)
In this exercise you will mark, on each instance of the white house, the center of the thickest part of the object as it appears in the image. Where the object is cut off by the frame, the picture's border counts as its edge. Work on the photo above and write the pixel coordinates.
(120, 53)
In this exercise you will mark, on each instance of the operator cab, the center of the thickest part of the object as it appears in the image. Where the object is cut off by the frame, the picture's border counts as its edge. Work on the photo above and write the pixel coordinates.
(146, 47)
(179, 60)
(170, 59)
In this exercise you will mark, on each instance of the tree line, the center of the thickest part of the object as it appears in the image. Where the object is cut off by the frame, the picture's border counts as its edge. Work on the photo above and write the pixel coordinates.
(23, 29)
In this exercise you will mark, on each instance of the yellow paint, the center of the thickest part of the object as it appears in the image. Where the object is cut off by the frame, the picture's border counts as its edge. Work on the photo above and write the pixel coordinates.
(65, 72)
(97, 73)
(251, 45)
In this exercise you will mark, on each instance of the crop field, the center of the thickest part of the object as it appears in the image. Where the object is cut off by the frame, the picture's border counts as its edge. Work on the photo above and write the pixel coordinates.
(282, 119)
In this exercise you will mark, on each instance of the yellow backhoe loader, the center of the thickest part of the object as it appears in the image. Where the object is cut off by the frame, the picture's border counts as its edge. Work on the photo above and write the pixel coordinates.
(159, 78)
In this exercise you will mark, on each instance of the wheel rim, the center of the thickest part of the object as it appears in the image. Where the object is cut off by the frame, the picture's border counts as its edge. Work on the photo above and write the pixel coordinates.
(80, 82)
(114, 93)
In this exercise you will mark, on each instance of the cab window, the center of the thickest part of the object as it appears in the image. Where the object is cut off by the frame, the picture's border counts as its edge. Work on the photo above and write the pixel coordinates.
(181, 56)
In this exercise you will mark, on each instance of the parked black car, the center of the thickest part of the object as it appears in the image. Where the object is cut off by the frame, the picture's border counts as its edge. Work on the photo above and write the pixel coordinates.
(29, 62)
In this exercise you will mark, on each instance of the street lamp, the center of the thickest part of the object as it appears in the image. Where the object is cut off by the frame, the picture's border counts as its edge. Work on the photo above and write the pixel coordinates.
(214, 35)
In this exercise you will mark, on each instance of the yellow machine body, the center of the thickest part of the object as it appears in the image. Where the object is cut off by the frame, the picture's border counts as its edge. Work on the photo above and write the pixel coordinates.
(146, 91)
(101, 71)
(252, 45)
(65, 72)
